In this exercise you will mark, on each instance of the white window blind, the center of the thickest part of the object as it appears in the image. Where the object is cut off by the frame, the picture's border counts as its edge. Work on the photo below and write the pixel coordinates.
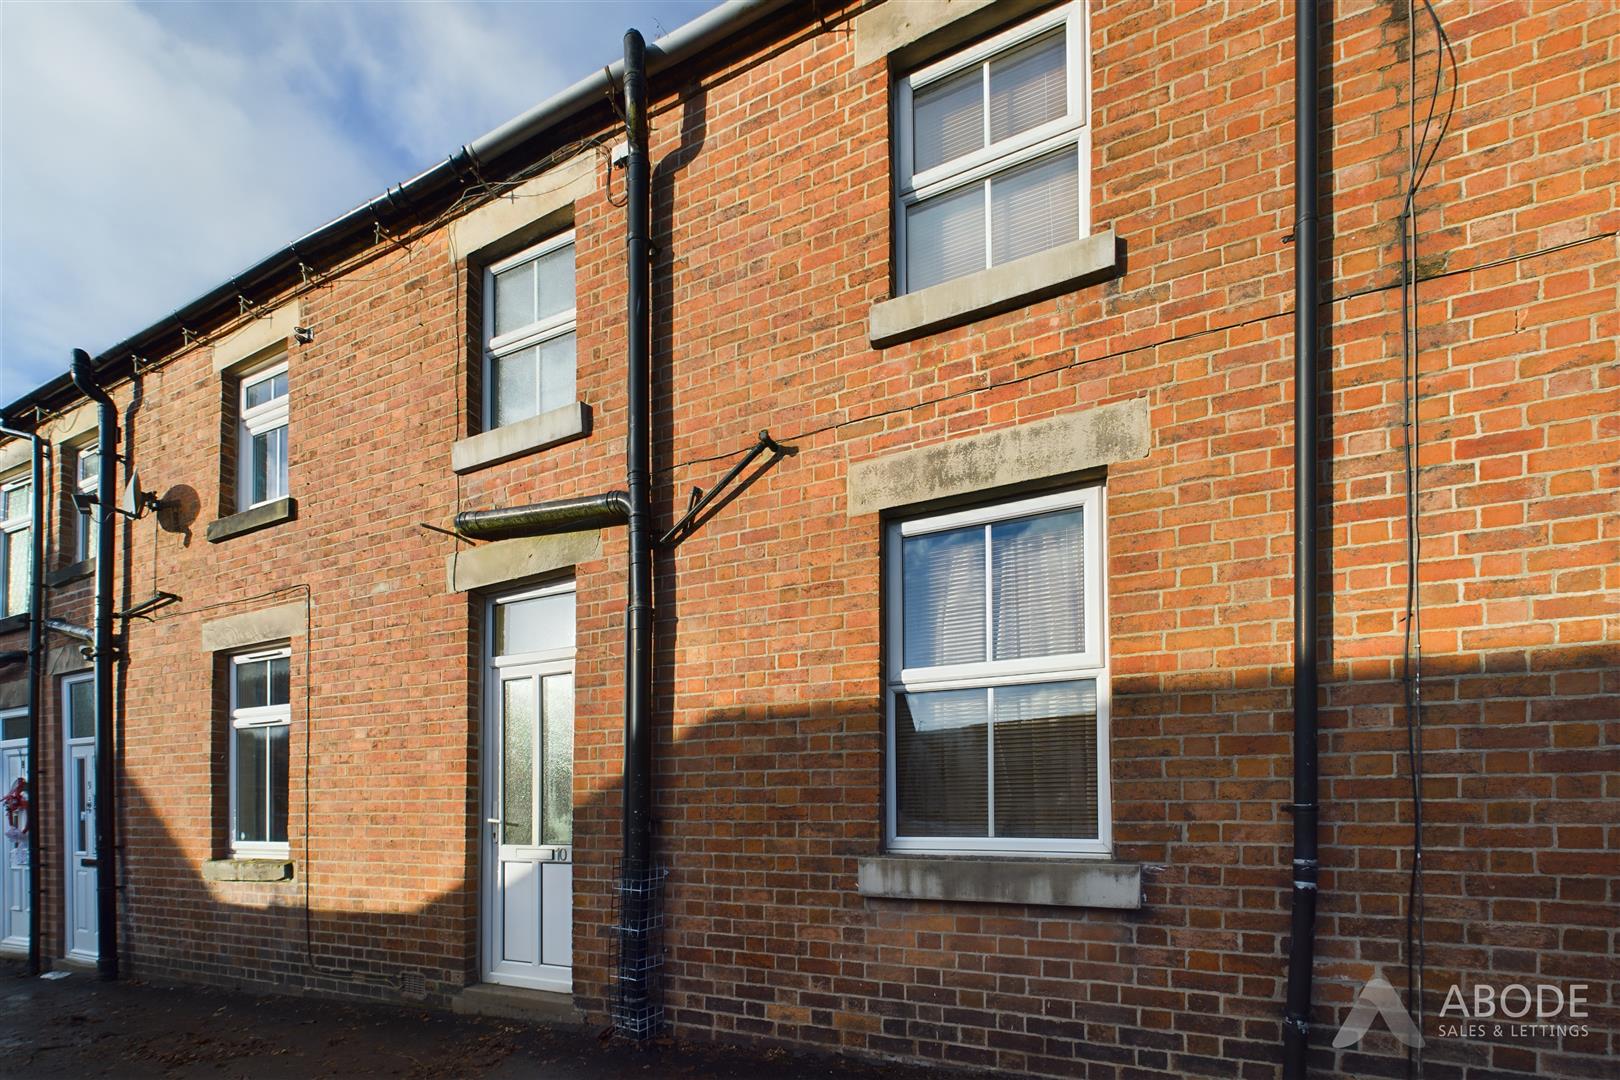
(993, 151)
(997, 704)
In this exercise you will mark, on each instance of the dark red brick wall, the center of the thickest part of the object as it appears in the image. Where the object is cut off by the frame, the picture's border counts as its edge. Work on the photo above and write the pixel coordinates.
(772, 206)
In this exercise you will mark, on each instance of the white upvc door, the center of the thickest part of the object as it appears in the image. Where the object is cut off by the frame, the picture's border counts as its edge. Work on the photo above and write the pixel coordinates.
(79, 818)
(14, 873)
(528, 792)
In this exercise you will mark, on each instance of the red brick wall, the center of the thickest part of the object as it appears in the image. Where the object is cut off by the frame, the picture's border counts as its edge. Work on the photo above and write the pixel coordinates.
(771, 213)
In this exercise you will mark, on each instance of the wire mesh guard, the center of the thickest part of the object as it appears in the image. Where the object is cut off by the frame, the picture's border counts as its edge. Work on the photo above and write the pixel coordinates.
(638, 952)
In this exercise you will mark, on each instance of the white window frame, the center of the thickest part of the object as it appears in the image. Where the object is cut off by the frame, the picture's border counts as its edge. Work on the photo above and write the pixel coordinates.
(258, 717)
(1071, 131)
(10, 529)
(555, 326)
(1090, 664)
(260, 420)
(84, 520)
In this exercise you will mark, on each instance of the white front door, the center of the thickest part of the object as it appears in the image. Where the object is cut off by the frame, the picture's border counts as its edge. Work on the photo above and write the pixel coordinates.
(528, 802)
(79, 819)
(14, 848)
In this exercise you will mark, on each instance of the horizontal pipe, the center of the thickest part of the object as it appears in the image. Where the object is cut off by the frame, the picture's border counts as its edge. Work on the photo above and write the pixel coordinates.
(62, 626)
(542, 519)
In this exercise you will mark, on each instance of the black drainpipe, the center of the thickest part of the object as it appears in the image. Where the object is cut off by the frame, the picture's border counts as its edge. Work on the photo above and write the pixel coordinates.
(103, 655)
(1302, 944)
(636, 884)
(36, 646)
(634, 1012)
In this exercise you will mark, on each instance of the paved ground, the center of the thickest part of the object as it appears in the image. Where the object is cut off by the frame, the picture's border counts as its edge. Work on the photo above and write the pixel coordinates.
(81, 1027)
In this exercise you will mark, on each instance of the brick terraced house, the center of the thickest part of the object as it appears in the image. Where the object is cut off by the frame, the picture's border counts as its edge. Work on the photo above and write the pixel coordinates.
(971, 735)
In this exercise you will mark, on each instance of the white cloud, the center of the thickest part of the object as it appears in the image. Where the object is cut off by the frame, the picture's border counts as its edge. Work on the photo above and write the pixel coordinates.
(147, 153)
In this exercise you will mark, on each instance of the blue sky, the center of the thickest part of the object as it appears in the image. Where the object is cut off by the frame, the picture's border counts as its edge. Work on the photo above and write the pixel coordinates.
(148, 151)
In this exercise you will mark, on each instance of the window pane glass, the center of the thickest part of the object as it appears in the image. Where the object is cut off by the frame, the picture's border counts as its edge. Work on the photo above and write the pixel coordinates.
(276, 793)
(947, 119)
(558, 765)
(941, 765)
(14, 727)
(942, 597)
(515, 393)
(252, 784)
(252, 684)
(89, 466)
(81, 709)
(1046, 760)
(278, 680)
(514, 298)
(555, 273)
(1035, 207)
(18, 501)
(517, 761)
(540, 624)
(556, 372)
(1027, 87)
(1037, 577)
(81, 537)
(263, 464)
(265, 390)
(19, 569)
(945, 237)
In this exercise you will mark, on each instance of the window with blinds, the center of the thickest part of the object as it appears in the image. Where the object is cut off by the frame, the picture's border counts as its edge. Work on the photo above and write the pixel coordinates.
(997, 688)
(993, 152)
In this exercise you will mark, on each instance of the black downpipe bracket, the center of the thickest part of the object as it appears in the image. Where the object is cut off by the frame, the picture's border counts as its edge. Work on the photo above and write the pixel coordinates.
(36, 649)
(636, 1012)
(102, 656)
(1302, 944)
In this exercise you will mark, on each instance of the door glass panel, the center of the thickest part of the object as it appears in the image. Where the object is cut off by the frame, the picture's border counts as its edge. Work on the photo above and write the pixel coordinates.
(558, 765)
(84, 785)
(517, 761)
(539, 624)
(81, 710)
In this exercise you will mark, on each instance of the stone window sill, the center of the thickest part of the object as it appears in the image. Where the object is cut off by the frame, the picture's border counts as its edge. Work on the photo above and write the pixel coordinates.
(71, 573)
(14, 622)
(989, 292)
(524, 437)
(1045, 882)
(247, 870)
(260, 517)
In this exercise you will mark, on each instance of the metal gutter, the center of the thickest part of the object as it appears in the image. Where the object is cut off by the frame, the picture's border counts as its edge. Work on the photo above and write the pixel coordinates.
(403, 202)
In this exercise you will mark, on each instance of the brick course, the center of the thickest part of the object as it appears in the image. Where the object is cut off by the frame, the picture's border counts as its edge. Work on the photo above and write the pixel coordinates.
(771, 214)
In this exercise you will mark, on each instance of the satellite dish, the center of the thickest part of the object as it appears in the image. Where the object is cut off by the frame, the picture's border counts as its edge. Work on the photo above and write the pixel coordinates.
(130, 504)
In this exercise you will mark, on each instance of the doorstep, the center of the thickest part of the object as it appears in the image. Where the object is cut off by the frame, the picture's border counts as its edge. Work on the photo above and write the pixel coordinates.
(517, 1003)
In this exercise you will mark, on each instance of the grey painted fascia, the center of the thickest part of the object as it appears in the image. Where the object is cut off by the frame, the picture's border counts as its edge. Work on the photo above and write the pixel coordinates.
(1045, 882)
(260, 517)
(553, 428)
(1073, 442)
(989, 292)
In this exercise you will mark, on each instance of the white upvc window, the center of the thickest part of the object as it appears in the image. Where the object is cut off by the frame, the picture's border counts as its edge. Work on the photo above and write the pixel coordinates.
(993, 151)
(997, 680)
(86, 481)
(261, 470)
(529, 333)
(16, 546)
(261, 719)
